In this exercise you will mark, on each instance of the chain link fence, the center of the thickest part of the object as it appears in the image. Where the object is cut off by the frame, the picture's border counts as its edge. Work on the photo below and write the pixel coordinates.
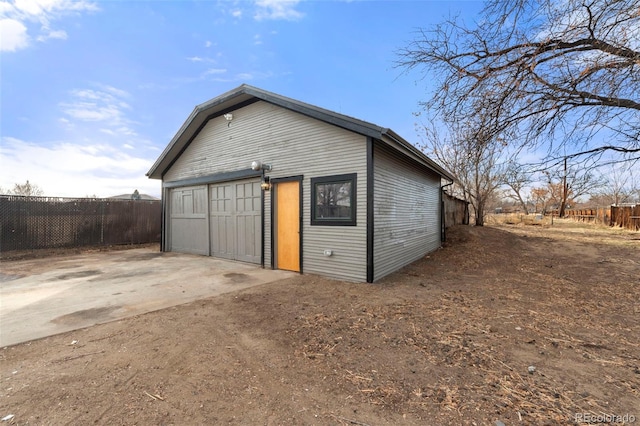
(28, 223)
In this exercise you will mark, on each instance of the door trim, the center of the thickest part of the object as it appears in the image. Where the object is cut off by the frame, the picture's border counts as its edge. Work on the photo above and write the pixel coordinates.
(275, 181)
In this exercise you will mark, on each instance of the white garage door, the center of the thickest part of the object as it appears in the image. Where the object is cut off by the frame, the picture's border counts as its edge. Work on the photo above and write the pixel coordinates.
(235, 220)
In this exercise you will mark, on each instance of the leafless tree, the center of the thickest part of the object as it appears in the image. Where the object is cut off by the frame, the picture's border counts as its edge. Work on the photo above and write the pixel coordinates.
(517, 178)
(563, 74)
(473, 159)
(619, 185)
(27, 189)
(567, 184)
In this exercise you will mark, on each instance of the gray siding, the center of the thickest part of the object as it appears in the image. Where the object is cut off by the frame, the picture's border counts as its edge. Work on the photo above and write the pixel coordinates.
(295, 145)
(406, 210)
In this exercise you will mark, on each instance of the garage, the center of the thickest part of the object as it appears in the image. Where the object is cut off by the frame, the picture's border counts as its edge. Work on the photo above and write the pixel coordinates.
(229, 226)
(292, 186)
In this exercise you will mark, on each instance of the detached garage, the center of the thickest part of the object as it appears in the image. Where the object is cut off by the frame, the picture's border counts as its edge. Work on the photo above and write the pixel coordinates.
(257, 177)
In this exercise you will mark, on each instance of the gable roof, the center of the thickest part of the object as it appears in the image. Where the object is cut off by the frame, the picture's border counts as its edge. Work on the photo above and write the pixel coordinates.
(245, 95)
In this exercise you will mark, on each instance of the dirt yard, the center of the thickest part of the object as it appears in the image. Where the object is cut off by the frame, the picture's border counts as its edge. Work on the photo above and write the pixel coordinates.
(519, 324)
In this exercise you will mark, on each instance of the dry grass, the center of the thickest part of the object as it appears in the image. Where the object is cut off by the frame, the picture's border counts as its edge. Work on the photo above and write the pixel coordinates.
(566, 229)
(518, 219)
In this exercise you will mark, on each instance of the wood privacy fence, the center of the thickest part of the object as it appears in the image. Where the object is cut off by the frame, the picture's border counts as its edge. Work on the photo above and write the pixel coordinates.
(622, 216)
(45, 222)
(456, 211)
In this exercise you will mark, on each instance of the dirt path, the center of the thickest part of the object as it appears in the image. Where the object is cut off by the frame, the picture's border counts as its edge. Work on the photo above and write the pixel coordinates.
(447, 340)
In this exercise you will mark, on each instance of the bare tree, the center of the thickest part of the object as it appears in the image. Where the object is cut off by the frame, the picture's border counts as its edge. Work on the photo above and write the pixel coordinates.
(517, 178)
(554, 73)
(565, 185)
(27, 189)
(619, 185)
(472, 159)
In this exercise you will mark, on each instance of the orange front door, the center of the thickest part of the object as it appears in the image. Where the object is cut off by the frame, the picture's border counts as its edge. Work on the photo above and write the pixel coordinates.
(288, 226)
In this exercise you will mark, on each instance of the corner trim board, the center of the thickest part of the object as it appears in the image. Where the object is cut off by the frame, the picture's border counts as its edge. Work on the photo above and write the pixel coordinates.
(262, 219)
(370, 211)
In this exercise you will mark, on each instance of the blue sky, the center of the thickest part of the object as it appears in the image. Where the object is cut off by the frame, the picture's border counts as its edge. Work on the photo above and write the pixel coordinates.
(92, 91)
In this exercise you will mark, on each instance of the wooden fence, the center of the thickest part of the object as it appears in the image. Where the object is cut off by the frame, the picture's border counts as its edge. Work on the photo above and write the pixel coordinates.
(28, 223)
(622, 216)
(456, 211)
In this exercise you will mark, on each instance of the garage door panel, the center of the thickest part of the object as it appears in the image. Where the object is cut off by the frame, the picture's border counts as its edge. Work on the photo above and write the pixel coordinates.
(242, 234)
(238, 236)
(249, 242)
(188, 220)
(222, 244)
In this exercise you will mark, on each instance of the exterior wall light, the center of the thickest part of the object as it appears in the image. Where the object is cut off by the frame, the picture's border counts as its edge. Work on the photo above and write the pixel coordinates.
(257, 165)
(266, 184)
(228, 116)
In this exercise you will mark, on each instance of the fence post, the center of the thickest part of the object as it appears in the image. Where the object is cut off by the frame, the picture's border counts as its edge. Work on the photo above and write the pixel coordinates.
(101, 223)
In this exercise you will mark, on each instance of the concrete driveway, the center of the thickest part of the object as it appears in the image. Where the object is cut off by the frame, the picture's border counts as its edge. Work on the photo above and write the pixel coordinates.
(42, 297)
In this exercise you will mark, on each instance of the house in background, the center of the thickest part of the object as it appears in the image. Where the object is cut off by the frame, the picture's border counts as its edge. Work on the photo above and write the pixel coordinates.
(135, 196)
(257, 177)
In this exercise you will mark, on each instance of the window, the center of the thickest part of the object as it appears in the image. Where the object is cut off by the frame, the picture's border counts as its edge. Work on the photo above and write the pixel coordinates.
(188, 202)
(333, 200)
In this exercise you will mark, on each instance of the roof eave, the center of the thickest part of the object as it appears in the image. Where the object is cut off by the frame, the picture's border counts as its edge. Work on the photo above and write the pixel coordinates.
(418, 154)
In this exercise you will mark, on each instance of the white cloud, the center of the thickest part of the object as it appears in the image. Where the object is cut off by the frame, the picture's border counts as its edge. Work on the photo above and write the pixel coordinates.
(48, 8)
(213, 71)
(100, 153)
(114, 91)
(57, 34)
(86, 111)
(21, 17)
(277, 9)
(75, 169)
(104, 110)
(13, 35)
(209, 75)
(207, 43)
(257, 39)
(245, 76)
(196, 59)
(106, 105)
(236, 13)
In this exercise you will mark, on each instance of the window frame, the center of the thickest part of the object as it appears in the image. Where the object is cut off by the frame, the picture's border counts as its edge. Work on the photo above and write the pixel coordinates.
(334, 179)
